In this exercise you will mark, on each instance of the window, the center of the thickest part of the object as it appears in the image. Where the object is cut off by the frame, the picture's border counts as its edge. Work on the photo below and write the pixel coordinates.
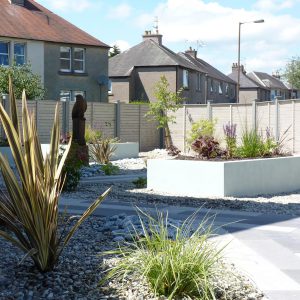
(109, 87)
(211, 86)
(79, 60)
(75, 93)
(185, 79)
(19, 54)
(220, 88)
(227, 90)
(66, 95)
(198, 81)
(4, 53)
(65, 59)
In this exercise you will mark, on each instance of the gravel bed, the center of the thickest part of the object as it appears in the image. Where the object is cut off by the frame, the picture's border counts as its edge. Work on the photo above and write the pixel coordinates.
(285, 204)
(78, 272)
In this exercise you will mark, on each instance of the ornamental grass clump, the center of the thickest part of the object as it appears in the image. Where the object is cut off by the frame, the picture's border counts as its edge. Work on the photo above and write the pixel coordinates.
(101, 149)
(230, 138)
(29, 208)
(176, 261)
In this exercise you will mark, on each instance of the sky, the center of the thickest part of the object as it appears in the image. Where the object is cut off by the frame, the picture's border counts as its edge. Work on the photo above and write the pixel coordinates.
(211, 27)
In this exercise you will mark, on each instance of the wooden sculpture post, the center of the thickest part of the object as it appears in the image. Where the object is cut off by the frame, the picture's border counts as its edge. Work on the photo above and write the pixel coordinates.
(80, 148)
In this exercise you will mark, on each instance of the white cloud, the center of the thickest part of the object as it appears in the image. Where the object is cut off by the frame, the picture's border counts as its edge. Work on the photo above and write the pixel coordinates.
(121, 11)
(217, 26)
(123, 45)
(273, 5)
(67, 5)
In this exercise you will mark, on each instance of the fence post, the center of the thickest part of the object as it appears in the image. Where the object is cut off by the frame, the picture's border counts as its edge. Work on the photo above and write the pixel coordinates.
(277, 112)
(293, 125)
(209, 110)
(230, 114)
(117, 118)
(37, 114)
(64, 117)
(92, 114)
(140, 111)
(184, 128)
(5, 103)
(254, 115)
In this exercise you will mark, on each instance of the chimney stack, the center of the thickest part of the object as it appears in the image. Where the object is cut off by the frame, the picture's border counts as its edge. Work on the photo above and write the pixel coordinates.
(191, 52)
(17, 2)
(235, 68)
(276, 75)
(156, 37)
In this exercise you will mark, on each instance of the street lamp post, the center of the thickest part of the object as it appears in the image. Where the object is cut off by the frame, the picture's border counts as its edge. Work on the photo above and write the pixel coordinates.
(239, 56)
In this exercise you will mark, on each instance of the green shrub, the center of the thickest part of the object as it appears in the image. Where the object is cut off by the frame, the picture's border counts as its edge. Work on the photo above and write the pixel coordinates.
(30, 211)
(178, 267)
(71, 169)
(252, 145)
(203, 127)
(110, 169)
(140, 183)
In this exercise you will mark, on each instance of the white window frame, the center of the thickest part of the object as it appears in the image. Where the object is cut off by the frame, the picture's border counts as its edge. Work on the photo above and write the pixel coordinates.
(18, 55)
(79, 60)
(66, 59)
(65, 92)
(8, 52)
(185, 79)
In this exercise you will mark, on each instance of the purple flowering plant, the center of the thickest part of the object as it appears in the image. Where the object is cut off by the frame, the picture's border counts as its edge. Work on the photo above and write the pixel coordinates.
(230, 138)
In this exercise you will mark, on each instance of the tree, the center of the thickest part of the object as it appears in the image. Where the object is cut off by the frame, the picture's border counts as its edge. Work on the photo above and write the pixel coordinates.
(23, 78)
(115, 51)
(167, 102)
(292, 72)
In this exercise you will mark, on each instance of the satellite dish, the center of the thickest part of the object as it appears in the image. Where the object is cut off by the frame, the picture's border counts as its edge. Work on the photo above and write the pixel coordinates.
(103, 80)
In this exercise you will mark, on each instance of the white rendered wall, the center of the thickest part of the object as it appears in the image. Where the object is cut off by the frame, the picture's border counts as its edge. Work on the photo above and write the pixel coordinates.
(218, 179)
(186, 177)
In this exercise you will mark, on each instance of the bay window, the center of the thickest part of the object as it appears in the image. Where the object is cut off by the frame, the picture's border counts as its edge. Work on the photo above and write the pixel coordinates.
(4, 53)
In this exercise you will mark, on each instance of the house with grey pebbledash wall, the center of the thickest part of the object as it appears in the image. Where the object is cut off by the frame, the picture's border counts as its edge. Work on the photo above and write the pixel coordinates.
(134, 73)
(68, 60)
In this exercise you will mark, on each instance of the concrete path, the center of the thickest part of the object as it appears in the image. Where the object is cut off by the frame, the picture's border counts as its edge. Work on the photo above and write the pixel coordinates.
(113, 178)
(265, 247)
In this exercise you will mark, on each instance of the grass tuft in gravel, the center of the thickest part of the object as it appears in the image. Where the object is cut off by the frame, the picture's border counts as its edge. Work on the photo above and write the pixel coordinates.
(176, 261)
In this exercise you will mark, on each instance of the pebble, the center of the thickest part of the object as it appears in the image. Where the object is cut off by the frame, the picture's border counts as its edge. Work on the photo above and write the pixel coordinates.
(78, 271)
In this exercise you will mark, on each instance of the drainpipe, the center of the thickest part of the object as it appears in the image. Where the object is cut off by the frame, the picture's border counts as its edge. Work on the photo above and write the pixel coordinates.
(205, 88)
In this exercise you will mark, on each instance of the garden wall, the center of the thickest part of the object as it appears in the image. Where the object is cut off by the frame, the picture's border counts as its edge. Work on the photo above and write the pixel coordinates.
(125, 121)
(279, 116)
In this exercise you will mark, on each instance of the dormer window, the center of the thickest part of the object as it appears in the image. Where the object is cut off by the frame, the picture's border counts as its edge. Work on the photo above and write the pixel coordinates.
(4, 53)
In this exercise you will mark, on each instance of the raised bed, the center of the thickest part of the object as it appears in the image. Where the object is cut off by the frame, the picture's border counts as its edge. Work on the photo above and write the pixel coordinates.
(224, 178)
(123, 150)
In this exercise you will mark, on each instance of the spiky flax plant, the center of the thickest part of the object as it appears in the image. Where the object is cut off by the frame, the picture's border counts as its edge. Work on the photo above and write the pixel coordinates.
(29, 207)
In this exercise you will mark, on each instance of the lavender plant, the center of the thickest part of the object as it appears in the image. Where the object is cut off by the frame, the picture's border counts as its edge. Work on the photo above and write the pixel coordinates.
(230, 138)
